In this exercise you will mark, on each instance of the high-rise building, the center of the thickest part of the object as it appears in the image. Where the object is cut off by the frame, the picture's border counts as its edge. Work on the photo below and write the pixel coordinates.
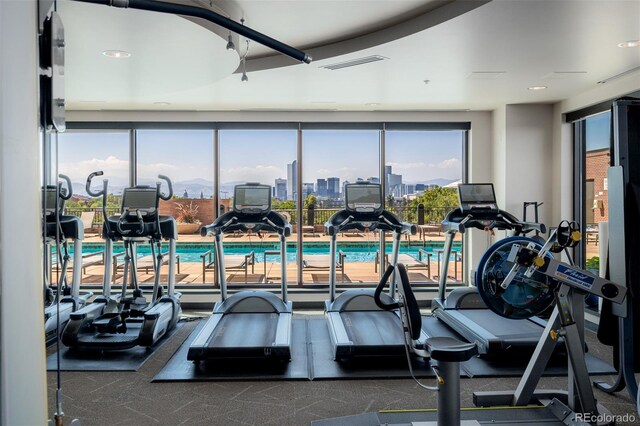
(321, 187)
(411, 189)
(333, 187)
(420, 186)
(393, 182)
(280, 190)
(307, 189)
(292, 180)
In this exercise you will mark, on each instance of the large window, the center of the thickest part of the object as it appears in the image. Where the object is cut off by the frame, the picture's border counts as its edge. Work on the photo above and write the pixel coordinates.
(332, 159)
(422, 170)
(267, 157)
(595, 144)
(307, 166)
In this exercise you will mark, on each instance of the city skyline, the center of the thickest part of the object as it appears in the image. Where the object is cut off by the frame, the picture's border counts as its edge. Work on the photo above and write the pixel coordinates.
(186, 156)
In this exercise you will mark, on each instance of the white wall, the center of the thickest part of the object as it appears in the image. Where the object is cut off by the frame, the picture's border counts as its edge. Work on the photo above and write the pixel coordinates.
(22, 366)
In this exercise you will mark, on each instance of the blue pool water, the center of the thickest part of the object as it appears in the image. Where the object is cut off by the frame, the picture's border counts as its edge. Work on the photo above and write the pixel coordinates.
(355, 252)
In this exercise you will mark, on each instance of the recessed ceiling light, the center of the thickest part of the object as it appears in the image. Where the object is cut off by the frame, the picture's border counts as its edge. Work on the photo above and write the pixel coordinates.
(162, 103)
(537, 87)
(629, 43)
(116, 54)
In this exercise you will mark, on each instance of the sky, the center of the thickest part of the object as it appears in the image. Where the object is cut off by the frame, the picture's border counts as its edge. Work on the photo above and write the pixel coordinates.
(261, 155)
(598, 131)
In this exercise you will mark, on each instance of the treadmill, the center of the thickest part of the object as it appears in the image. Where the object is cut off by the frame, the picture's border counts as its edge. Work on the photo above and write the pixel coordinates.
(463, 309)
(247, 324)
(357, 326)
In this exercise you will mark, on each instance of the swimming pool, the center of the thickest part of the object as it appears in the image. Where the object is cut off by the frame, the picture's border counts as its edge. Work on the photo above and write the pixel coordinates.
(355, 252)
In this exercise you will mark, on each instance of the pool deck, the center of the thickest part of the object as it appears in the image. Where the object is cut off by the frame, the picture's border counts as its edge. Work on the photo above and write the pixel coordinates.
(355, 272)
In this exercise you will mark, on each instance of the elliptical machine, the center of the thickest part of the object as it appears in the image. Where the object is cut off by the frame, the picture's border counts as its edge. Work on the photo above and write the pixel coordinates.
(57, 227)
(131, 320)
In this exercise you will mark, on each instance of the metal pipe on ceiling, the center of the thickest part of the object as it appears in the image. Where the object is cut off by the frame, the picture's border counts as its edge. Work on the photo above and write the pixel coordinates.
(211, 16)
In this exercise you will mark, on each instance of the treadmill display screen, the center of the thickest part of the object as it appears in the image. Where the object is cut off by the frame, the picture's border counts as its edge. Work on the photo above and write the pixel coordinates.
(364, 198)
(477, 196)
(139, 199)
(252, 199)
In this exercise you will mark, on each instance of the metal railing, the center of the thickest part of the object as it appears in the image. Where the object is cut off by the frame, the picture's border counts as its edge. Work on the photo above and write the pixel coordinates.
(430, 215)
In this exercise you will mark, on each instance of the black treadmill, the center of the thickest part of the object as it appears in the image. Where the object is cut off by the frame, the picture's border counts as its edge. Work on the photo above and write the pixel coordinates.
(357, 325)
(463, 309)
(250, 323)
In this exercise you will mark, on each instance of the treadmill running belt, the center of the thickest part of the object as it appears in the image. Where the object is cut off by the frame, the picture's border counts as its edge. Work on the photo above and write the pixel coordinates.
(509, 330)
(245, 330)
(373, 328)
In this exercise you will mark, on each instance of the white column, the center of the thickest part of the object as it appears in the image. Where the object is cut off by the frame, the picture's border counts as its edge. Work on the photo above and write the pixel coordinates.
(23, 387)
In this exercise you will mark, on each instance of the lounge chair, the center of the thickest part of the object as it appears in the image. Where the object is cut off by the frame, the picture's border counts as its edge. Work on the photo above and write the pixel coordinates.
(233, 262)
(87, 222)
(409, 261)
(145, 262)
(322, 262)
(88, 259)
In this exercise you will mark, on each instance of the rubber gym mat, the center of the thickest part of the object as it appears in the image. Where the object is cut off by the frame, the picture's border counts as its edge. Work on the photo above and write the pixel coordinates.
(324, 367)
(179, 368)
(514, 366)
(125, 360)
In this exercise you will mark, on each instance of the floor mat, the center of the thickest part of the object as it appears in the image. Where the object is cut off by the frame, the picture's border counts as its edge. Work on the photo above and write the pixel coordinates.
(125, 360)
(180, 369)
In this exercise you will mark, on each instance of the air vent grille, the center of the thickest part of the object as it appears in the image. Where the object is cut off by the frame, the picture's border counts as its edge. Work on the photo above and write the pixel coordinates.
(354, 62)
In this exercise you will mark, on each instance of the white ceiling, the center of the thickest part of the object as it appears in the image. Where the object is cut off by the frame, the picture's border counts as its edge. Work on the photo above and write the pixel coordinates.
(566, 45)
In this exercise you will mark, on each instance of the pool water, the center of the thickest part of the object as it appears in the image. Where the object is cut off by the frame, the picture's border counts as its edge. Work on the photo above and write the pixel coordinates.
(355, 252)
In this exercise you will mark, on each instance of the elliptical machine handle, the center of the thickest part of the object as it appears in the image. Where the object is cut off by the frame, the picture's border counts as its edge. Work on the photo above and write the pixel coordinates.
(160, 194)
(88, 186)
(69, 187)
(380, 288)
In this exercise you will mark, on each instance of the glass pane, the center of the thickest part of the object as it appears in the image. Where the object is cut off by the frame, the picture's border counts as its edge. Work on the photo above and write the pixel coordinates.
(79, 154)
(422, 171)
(331, 159)
(186, 157)
(596, 206)
(267, 157)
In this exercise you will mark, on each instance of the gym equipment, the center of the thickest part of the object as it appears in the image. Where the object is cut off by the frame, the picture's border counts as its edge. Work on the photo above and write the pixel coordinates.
(566, 321)
(131, 320)
(247, 324)
(617, 322)
(447, 352)
(463, 309)
(58, 227)
(357, 325)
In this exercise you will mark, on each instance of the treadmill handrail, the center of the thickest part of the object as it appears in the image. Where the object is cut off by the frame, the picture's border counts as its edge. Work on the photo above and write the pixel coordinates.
(346, 220)
(457, 221)
(234, 221)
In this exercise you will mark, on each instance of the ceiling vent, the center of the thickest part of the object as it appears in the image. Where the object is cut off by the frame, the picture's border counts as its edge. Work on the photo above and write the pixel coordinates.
(563, 75)
(354, 62)
(617, 76)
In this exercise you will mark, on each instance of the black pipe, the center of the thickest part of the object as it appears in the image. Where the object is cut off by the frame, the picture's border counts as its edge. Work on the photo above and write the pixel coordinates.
(198, 12)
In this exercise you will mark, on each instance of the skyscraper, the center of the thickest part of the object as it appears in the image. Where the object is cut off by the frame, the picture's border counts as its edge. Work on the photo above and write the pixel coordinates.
(307, 189)
(292, 180)
(321, 187)
(333, 187)
(280, 190)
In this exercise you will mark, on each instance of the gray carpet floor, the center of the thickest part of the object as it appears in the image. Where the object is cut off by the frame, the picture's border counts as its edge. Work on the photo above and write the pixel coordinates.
(129, 398)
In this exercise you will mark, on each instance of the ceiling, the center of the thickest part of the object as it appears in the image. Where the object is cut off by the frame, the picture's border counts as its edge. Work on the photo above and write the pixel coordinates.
(472, 54)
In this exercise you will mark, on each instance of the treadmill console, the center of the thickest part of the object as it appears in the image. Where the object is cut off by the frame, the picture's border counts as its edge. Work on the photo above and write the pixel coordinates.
(364, 197)
(477, 197)
(252, 198)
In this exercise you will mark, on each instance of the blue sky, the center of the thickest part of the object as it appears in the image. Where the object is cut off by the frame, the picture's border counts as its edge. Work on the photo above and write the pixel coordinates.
(598, 131)
(261, 155)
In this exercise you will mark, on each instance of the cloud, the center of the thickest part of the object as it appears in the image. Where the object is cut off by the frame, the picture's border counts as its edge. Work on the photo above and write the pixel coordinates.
(261, 173)
(408, 166)
(451, 163)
